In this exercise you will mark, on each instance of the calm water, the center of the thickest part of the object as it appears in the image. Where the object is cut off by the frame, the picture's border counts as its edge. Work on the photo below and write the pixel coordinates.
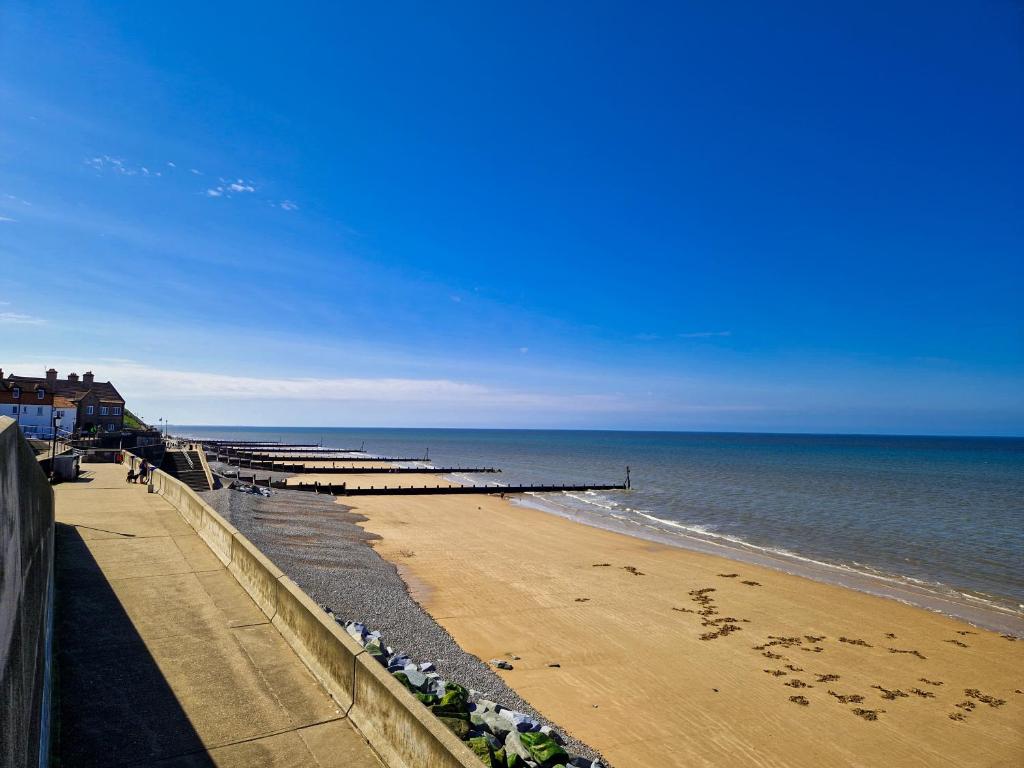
(943, 517)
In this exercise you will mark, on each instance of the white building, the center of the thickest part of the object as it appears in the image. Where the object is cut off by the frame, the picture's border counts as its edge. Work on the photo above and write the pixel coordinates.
(36, 420)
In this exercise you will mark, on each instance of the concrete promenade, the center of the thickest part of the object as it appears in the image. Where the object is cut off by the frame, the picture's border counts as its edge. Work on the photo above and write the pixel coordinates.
(162, 658)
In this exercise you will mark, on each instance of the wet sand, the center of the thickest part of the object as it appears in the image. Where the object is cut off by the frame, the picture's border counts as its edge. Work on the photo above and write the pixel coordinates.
(672, 657)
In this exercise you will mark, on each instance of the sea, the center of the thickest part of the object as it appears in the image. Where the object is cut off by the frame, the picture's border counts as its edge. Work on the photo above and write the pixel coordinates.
(936, 522)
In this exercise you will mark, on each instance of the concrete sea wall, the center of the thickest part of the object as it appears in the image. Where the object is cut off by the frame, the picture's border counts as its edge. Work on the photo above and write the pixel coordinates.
(402, 731)
(26, 602)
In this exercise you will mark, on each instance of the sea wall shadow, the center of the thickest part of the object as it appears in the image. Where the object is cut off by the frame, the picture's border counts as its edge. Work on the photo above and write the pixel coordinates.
(113, 704)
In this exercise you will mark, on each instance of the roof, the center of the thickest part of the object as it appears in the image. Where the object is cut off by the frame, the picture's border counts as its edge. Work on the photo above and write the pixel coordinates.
(62, 402)
(72, 390)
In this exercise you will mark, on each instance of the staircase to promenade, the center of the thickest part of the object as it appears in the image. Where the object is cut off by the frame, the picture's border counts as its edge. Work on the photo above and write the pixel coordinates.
(186, 466)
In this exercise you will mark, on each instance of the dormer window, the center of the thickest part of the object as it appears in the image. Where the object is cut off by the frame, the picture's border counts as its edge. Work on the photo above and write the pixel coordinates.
(40, 394)
(16, 392)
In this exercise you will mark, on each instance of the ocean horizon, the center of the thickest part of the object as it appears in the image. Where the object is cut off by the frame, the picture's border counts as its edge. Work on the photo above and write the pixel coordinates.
(931, 520)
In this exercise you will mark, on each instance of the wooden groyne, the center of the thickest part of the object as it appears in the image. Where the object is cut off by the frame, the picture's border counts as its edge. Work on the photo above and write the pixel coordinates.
(272, 447)
(290, 449)
(269, 447)
(259, 443)
(260, 456)
(300, 469)
(426, 490)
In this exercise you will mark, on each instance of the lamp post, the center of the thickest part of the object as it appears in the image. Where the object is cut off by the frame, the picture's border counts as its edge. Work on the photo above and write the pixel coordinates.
(55, 419)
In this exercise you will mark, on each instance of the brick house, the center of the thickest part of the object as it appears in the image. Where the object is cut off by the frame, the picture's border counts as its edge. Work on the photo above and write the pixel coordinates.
(86, 404)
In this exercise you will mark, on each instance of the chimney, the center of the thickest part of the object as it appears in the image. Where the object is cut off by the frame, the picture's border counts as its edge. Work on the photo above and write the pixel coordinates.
(72, 377)
(51, 376)
(1, 374)
(87, 378)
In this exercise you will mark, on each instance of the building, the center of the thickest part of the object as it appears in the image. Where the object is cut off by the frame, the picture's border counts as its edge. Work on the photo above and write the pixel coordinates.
(30, 406)
(85, 405)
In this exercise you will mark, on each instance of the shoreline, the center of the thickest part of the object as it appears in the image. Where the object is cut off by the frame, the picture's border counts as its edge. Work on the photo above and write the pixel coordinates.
(987, 615)
(954, 603)
(945, 541)
(508, 580)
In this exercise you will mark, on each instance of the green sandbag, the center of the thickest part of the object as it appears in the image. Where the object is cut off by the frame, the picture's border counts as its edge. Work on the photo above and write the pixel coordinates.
(489, 756)
(543, 749)
(453, 703)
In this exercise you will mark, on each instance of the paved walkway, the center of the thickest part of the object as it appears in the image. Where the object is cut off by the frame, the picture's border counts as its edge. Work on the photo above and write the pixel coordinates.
(162, 658)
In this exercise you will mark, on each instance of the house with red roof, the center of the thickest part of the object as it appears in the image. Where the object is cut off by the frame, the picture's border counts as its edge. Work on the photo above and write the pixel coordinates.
(84, 404)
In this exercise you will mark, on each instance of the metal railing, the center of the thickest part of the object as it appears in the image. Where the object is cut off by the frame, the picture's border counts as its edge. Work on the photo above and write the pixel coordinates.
(40, 432)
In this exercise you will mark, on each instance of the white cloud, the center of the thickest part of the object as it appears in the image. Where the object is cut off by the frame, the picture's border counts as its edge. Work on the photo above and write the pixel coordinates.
(136, 380)
(196, 171)
(171, 165)
(118, 166)
(156, 383)
(288, 205)
(704, 334)
(15, 317)
(523, 350)
(7, 218)
(227, 188)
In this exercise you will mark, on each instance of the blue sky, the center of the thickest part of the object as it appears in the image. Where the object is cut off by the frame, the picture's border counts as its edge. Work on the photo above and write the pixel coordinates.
(736, 216)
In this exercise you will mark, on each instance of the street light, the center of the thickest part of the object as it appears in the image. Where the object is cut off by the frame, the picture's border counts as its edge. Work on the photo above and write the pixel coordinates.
(53, 447)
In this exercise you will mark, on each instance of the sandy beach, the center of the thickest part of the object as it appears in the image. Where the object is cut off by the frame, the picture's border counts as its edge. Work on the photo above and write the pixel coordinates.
(656, 655)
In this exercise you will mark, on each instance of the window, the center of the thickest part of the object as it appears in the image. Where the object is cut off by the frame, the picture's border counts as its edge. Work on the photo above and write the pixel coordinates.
(89, 410)
(14, 409)
(110, 427)
(117, 410)
(103, 410)
(39, 410)
(40, 394)
(16, 392)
